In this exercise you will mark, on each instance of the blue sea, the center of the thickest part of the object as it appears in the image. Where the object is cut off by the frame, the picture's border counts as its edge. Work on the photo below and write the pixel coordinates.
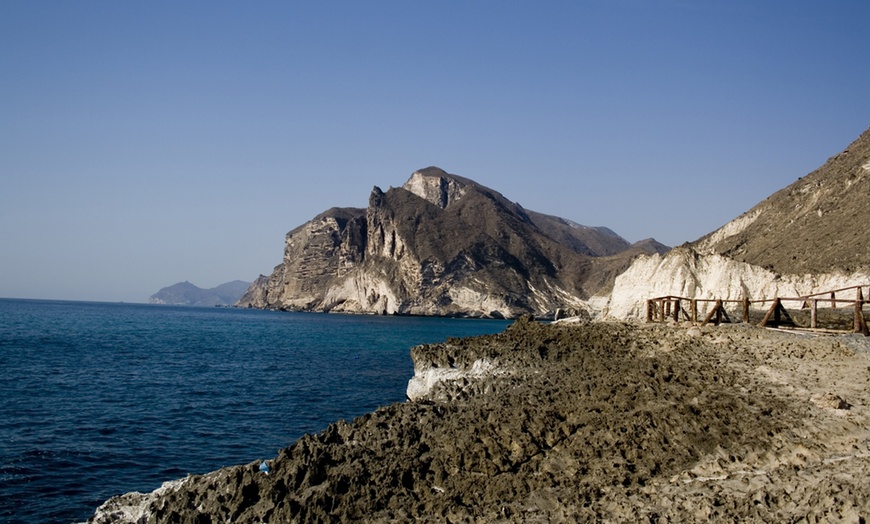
(99, 399)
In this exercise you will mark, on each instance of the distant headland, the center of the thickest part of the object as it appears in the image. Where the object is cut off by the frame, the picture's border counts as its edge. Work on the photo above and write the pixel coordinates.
(187, 294)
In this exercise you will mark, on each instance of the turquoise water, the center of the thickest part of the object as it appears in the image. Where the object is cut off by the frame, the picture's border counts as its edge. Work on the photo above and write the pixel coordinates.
(99, 399)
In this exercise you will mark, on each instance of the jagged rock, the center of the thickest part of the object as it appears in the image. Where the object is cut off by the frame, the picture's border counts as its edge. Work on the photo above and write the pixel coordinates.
(593, 422)
(442, 245)
(830, 401)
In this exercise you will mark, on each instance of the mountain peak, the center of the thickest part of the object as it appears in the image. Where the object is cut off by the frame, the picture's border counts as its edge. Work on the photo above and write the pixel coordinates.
(431, 171)
(441, 244)
(437, 186)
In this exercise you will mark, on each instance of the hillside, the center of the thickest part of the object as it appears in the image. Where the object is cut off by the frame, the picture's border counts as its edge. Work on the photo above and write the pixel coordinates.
(817, 224)
(809, 237)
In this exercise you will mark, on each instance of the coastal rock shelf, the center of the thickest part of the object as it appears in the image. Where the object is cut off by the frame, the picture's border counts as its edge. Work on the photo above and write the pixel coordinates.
(574, 422)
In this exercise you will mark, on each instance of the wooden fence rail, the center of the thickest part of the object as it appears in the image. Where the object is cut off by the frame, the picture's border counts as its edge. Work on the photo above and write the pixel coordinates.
(661, 309)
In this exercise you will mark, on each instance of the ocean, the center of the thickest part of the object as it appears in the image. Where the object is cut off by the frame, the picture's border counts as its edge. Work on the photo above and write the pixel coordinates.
(99, 399)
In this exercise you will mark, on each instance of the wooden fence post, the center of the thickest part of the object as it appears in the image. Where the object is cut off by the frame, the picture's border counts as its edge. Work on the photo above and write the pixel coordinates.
(676, 310)
(716, 311)
(774, 307)
(781, 317)
(860, 323)
(745, 310)
(694, 311)
(814, 313)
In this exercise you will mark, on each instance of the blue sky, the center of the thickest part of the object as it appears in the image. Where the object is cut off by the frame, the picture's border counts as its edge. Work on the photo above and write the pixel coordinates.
(146, 143)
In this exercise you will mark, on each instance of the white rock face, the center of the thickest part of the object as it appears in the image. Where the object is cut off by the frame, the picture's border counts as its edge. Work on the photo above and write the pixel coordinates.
(686, 273)
(473, 300)
(420, 386)
(362, 293)
(434, 185)
(133, 507)
(728, 230)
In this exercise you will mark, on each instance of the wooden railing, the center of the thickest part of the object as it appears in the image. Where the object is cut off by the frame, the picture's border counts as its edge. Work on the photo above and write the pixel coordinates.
(662, 309)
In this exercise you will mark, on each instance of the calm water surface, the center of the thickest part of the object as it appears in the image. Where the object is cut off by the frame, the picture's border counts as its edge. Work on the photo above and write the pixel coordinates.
(99, 399)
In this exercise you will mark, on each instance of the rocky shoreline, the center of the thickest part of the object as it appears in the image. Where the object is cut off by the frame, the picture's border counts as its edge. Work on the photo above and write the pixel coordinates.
(574, 422)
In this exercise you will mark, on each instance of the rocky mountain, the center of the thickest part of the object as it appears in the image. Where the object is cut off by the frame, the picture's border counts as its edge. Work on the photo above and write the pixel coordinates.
(815, 225)
(809, 237)
(187, 294)
(442, 245)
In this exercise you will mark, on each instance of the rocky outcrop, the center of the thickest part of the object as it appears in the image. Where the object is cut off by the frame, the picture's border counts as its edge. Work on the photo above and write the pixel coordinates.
(441, 245)
(589, 422)
(807, 238)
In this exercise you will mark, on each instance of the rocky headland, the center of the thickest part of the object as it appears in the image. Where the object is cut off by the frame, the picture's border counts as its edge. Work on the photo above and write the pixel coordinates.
(443, 245)
(573, 422)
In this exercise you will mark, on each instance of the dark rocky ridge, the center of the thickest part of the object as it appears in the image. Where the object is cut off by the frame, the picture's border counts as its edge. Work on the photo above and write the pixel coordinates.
(442, 245)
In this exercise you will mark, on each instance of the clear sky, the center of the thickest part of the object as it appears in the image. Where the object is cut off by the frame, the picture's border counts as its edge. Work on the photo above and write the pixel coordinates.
(146, 143)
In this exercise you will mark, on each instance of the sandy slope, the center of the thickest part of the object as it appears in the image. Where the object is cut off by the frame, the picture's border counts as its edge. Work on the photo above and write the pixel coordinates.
(577, 422)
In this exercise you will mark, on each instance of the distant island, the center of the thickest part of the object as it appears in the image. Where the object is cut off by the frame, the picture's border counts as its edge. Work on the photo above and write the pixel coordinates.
(187, 294)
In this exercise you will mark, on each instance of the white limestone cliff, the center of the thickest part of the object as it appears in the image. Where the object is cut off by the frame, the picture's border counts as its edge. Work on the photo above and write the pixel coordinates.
(807, 238)
(686, 273)
(434, 185)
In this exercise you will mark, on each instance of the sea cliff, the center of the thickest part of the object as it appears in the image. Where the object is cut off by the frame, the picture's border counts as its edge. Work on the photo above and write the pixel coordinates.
(442, 245)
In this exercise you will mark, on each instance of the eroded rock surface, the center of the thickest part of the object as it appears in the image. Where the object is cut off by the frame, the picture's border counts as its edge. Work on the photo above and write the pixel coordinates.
(575, 422)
